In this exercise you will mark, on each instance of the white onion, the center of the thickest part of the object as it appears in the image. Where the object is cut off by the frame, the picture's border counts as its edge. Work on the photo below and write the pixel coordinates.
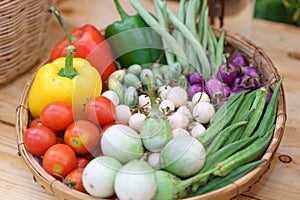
(144, 101)
(163, 91)
(180, 132)
(136, 121)
(99, 176)
(183, 156)
(153, 159)
(204, 98)
(178, 96)
(203, 111)
(123, 113)
(197, 130)
(185, 111)
(112, 95)
(135, 181)
(122, 143)
(166, 106)
(178, 120)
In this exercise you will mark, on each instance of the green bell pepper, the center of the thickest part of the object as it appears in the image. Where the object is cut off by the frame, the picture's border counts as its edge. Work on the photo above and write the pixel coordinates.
(133, 41)
(277, 11)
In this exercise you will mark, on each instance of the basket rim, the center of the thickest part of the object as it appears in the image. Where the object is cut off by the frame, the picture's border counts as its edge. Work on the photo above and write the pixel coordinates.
(234, 190)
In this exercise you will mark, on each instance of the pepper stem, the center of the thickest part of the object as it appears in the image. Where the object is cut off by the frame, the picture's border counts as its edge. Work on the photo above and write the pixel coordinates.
(121, 11)
(62, 23)
(69, 71)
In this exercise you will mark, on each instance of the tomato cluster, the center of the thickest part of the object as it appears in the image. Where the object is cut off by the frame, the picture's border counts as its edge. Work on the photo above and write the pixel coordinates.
(66, 145)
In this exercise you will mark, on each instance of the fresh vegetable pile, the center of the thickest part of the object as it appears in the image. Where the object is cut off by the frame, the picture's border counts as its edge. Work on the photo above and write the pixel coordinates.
(177, 119)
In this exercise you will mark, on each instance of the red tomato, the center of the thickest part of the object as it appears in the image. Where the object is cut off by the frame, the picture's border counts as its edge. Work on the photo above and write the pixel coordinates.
(74, 179)
(93, 154)
(38, 139)
(82, 136)
(82, 162)
(100, 111)
(57, 115)
(59, 160)
(36, 122)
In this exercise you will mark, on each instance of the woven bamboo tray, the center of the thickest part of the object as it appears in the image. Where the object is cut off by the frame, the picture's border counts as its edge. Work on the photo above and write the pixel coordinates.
(269, 73)
(23, 27)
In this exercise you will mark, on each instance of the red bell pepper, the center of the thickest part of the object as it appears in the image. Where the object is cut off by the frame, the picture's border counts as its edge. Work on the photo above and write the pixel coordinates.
(91, 45)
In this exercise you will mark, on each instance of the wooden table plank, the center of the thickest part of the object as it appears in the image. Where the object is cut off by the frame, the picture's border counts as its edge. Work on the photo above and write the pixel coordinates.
(16, 181)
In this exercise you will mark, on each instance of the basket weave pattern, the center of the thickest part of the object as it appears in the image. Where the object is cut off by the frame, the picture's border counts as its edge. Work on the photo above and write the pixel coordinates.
(269, 74)
(23, 27)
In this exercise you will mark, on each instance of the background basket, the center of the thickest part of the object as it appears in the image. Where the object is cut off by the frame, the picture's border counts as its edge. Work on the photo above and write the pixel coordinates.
(269, 73)
(23, 27)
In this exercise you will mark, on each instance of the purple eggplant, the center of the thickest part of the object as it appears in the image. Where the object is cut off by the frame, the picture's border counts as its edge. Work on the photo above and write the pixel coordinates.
(250, 79)
(251, 71)
(228, 72)
(235, 89)
(195, 78)
(226, 90)
(193, 89)
(221, 103)
(240, 60)
(215, 90)
(250, 82)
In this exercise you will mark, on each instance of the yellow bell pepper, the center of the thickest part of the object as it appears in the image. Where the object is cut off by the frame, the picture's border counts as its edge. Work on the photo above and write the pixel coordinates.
(67, 79)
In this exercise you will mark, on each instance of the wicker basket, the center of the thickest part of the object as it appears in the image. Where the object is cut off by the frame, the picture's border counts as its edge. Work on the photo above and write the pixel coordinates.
(23, 27)
(269, 73)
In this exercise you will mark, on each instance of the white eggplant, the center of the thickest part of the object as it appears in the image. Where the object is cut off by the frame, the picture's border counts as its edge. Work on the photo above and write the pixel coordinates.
(98, 177)
(135, 181)
(122, 143)
(183, 156)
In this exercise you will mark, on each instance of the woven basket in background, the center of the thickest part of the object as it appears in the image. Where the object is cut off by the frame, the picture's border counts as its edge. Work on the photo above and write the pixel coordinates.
(23, 27)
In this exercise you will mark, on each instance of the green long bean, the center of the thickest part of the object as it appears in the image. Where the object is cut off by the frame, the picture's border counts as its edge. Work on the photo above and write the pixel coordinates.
(181, 16)
(220, 49)
(162, 18)
(190, 23)
(163, 32)
(205, 65)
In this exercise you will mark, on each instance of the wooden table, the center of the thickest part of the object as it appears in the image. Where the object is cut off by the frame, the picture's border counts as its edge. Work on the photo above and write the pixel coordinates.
(281, 182)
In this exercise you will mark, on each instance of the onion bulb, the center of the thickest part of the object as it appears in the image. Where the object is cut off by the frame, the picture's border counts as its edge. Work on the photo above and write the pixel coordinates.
(112, 95)
(203, 112)
(122, 143)
(135, 181)
(153, 159)
(136, 121)
(178, 120)
(123, 113)
(178, 96)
